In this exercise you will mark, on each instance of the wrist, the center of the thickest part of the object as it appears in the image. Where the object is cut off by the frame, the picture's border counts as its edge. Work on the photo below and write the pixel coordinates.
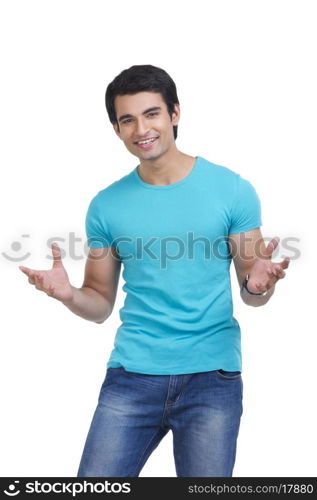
(70, 297)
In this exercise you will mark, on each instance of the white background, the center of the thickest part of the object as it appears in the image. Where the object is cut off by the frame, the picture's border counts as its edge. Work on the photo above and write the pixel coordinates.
(246, 79)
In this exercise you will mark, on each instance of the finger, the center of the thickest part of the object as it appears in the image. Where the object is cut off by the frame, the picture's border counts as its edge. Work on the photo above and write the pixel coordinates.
(285, 263)
(31, 273)
(38, 281)
(31, 277)
(39, 277)
(271, 246)
(279, 273)
(35, 278)
(277, 269)
(25, 270)
(280, 270)
(56, 251)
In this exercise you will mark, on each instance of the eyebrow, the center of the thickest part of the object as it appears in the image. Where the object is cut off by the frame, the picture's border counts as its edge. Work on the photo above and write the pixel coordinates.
(154, 108)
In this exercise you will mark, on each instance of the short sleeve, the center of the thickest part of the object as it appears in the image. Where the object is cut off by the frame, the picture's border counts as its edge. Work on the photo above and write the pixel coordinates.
(246, 208)
(97, 232)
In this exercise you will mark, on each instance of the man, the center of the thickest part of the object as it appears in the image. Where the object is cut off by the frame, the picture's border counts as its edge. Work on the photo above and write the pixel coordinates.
(175, 222)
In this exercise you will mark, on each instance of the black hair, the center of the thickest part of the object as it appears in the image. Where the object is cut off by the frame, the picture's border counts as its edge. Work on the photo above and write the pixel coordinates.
(140, 78)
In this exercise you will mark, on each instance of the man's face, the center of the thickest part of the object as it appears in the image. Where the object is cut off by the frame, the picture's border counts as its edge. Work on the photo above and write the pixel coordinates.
(144, 124)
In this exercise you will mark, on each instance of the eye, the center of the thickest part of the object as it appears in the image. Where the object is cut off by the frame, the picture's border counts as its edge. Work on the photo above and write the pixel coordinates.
(127, 120)
(154, 113)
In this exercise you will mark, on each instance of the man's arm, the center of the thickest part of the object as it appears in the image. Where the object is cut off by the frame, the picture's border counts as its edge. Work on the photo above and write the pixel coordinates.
(252, 257)
(95, 299)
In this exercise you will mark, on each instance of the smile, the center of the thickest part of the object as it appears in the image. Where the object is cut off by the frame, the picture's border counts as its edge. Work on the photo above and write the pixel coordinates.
(152, 139)
(147, 143)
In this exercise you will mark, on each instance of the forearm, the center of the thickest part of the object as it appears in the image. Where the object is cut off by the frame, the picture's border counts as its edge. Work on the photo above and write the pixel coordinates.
(256, 300)
(89, 304)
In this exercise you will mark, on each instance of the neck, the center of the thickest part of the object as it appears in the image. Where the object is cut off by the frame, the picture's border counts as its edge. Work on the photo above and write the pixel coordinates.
(171, 167)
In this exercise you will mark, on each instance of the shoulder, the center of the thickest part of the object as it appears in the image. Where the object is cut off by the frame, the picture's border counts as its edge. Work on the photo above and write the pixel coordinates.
(115, 189)
(218, 171)
(225, 175)
(216, 167)
(221, 180)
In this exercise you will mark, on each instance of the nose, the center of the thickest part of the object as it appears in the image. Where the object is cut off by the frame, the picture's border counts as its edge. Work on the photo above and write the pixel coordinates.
(141, 128)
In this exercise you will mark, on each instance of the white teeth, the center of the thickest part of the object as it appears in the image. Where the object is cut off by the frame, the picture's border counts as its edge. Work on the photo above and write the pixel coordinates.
(147, 141)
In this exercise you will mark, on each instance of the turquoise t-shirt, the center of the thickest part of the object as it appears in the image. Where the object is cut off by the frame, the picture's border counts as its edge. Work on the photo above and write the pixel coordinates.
(172, 240)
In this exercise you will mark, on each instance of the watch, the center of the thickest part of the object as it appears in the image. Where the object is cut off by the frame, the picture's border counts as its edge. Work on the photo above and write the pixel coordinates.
(245, 285)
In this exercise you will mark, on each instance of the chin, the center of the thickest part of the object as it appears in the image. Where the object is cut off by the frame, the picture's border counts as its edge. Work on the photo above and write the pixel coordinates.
(151, 156)
(146, 157)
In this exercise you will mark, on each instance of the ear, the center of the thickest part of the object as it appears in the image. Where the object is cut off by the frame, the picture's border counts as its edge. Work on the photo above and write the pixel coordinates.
(117, 129)
(176, 114)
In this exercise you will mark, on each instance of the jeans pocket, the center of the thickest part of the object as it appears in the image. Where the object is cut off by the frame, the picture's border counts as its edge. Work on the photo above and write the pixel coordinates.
(228, 375)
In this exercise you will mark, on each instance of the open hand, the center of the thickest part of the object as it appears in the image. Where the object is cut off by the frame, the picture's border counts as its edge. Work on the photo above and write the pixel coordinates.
(53, 282)
(265, 273)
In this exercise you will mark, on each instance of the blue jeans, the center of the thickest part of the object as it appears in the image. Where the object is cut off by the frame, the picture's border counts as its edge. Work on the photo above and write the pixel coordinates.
(135, 411)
